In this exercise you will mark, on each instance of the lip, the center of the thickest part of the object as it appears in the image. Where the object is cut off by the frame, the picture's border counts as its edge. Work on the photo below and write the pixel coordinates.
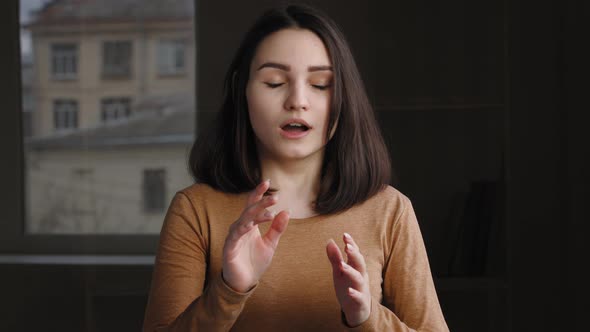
(296, 120)
(294, 134)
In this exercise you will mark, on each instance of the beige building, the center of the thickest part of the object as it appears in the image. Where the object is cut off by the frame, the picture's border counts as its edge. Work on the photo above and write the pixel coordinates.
(118, 178)
(113, 89)
(95, 59)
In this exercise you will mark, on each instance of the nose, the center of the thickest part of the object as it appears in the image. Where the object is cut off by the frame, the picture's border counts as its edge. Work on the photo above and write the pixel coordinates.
(297, 99)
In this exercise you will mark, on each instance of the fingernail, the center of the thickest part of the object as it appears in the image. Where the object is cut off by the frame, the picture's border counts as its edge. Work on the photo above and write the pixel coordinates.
(346, 235)
(269, 214)
(267, 181)
(349, 247)
(343, 264)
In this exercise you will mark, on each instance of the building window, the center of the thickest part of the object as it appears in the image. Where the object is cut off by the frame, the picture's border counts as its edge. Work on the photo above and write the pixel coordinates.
(113, 109)
(154, 190)
(64, 61)
(116, 59)
(171, 57)
(65, 114)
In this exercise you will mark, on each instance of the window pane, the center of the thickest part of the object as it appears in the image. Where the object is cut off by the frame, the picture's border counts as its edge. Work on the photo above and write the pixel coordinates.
(106, 135)
(154, 187)
(117, 58)
(64, 58)
(171, 54)
(113, 109)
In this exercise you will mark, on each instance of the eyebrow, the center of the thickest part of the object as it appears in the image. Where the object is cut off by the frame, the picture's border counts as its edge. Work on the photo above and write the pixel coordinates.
(288, 68)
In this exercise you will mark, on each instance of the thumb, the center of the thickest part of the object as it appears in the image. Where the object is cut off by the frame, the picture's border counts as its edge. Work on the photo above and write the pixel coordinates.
(277, 228)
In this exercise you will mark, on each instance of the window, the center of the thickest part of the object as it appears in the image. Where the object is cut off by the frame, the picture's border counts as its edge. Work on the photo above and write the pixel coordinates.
(171, 57)
(65, 114)
(154, 190)
(116, 59)
(82, 182)
(115, 109)
(64, 61)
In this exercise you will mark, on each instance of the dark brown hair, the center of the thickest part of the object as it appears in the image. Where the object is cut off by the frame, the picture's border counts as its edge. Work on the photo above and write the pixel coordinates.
(356, 162)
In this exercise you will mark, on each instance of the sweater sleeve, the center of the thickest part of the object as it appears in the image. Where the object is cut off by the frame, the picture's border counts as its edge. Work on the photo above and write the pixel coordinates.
(181, 298)
(410, 302)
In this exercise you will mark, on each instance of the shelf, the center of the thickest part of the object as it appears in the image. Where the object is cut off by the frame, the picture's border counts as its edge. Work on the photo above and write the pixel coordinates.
(90, 260)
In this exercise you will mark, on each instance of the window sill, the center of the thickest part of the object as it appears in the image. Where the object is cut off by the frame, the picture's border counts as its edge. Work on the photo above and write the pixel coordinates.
(172, 75)
(64, 79)
(89, 260)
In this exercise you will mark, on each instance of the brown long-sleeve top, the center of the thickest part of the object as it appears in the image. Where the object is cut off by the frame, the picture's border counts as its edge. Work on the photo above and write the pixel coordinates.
(296, 293)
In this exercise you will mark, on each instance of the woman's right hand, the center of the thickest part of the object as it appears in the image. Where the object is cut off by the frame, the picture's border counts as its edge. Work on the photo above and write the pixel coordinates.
(246, 253)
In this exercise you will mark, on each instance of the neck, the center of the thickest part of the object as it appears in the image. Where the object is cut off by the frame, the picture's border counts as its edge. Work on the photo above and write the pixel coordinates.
(297, 181)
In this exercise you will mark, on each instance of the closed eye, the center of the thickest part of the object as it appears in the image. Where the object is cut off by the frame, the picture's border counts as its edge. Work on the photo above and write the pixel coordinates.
(321, 87)
(273, 85)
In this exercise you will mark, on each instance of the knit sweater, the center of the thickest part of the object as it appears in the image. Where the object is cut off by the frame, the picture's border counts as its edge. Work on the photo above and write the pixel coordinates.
(296, 293)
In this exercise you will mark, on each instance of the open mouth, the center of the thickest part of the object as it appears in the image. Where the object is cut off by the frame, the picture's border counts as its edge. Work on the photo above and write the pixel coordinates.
(295, 127)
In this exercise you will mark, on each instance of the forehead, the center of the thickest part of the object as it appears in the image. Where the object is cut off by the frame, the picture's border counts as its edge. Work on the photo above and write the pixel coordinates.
(298, 48)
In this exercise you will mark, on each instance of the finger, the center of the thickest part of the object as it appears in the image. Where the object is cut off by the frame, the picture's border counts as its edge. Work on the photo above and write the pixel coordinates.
(354, 257)
(277, 228)
(239, 228)
(259, 207)
(252, 216)
(349, 239)
(356, 296)
(264, 216)
(334, 255)
(258, 192)
(356, 279)
(243, 225)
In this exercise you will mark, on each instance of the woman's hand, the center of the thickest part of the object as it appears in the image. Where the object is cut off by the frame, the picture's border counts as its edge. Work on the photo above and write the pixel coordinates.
(351, 281)
(247, 254)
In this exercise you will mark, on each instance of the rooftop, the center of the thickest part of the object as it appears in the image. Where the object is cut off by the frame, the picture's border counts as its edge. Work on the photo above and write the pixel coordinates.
(156, 120)
(97, 11)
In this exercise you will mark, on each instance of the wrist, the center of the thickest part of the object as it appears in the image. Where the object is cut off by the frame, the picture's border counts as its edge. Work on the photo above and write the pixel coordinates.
(237, 288)
(354, 319)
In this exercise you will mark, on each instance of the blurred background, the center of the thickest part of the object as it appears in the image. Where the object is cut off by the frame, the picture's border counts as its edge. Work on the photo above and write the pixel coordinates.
(483, 105)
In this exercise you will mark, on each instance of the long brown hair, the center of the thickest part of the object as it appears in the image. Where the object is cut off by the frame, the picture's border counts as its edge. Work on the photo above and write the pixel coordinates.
(356, 161)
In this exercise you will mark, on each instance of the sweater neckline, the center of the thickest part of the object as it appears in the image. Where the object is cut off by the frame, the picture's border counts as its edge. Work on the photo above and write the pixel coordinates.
(295, 220)
(305, 220)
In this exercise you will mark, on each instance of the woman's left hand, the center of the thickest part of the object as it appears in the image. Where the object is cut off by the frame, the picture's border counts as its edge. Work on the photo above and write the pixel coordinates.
(351, 281)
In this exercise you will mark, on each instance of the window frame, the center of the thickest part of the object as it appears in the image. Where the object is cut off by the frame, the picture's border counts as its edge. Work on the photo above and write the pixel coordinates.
(13, 239)
(107, 109)
(68, 110)
(63, 76)
(161, 68)
(115, 74)
(149, 176)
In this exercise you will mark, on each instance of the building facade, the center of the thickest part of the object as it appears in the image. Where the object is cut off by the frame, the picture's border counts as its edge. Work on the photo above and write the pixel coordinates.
(113, 118)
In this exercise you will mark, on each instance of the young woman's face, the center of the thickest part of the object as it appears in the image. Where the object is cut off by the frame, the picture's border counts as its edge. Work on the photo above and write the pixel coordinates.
(290, 79)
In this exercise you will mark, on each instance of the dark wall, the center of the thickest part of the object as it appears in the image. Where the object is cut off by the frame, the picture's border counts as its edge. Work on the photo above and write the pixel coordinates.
(548, 194)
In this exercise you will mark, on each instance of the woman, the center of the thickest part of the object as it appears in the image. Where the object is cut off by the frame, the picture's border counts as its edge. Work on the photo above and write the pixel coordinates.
(244, 254)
